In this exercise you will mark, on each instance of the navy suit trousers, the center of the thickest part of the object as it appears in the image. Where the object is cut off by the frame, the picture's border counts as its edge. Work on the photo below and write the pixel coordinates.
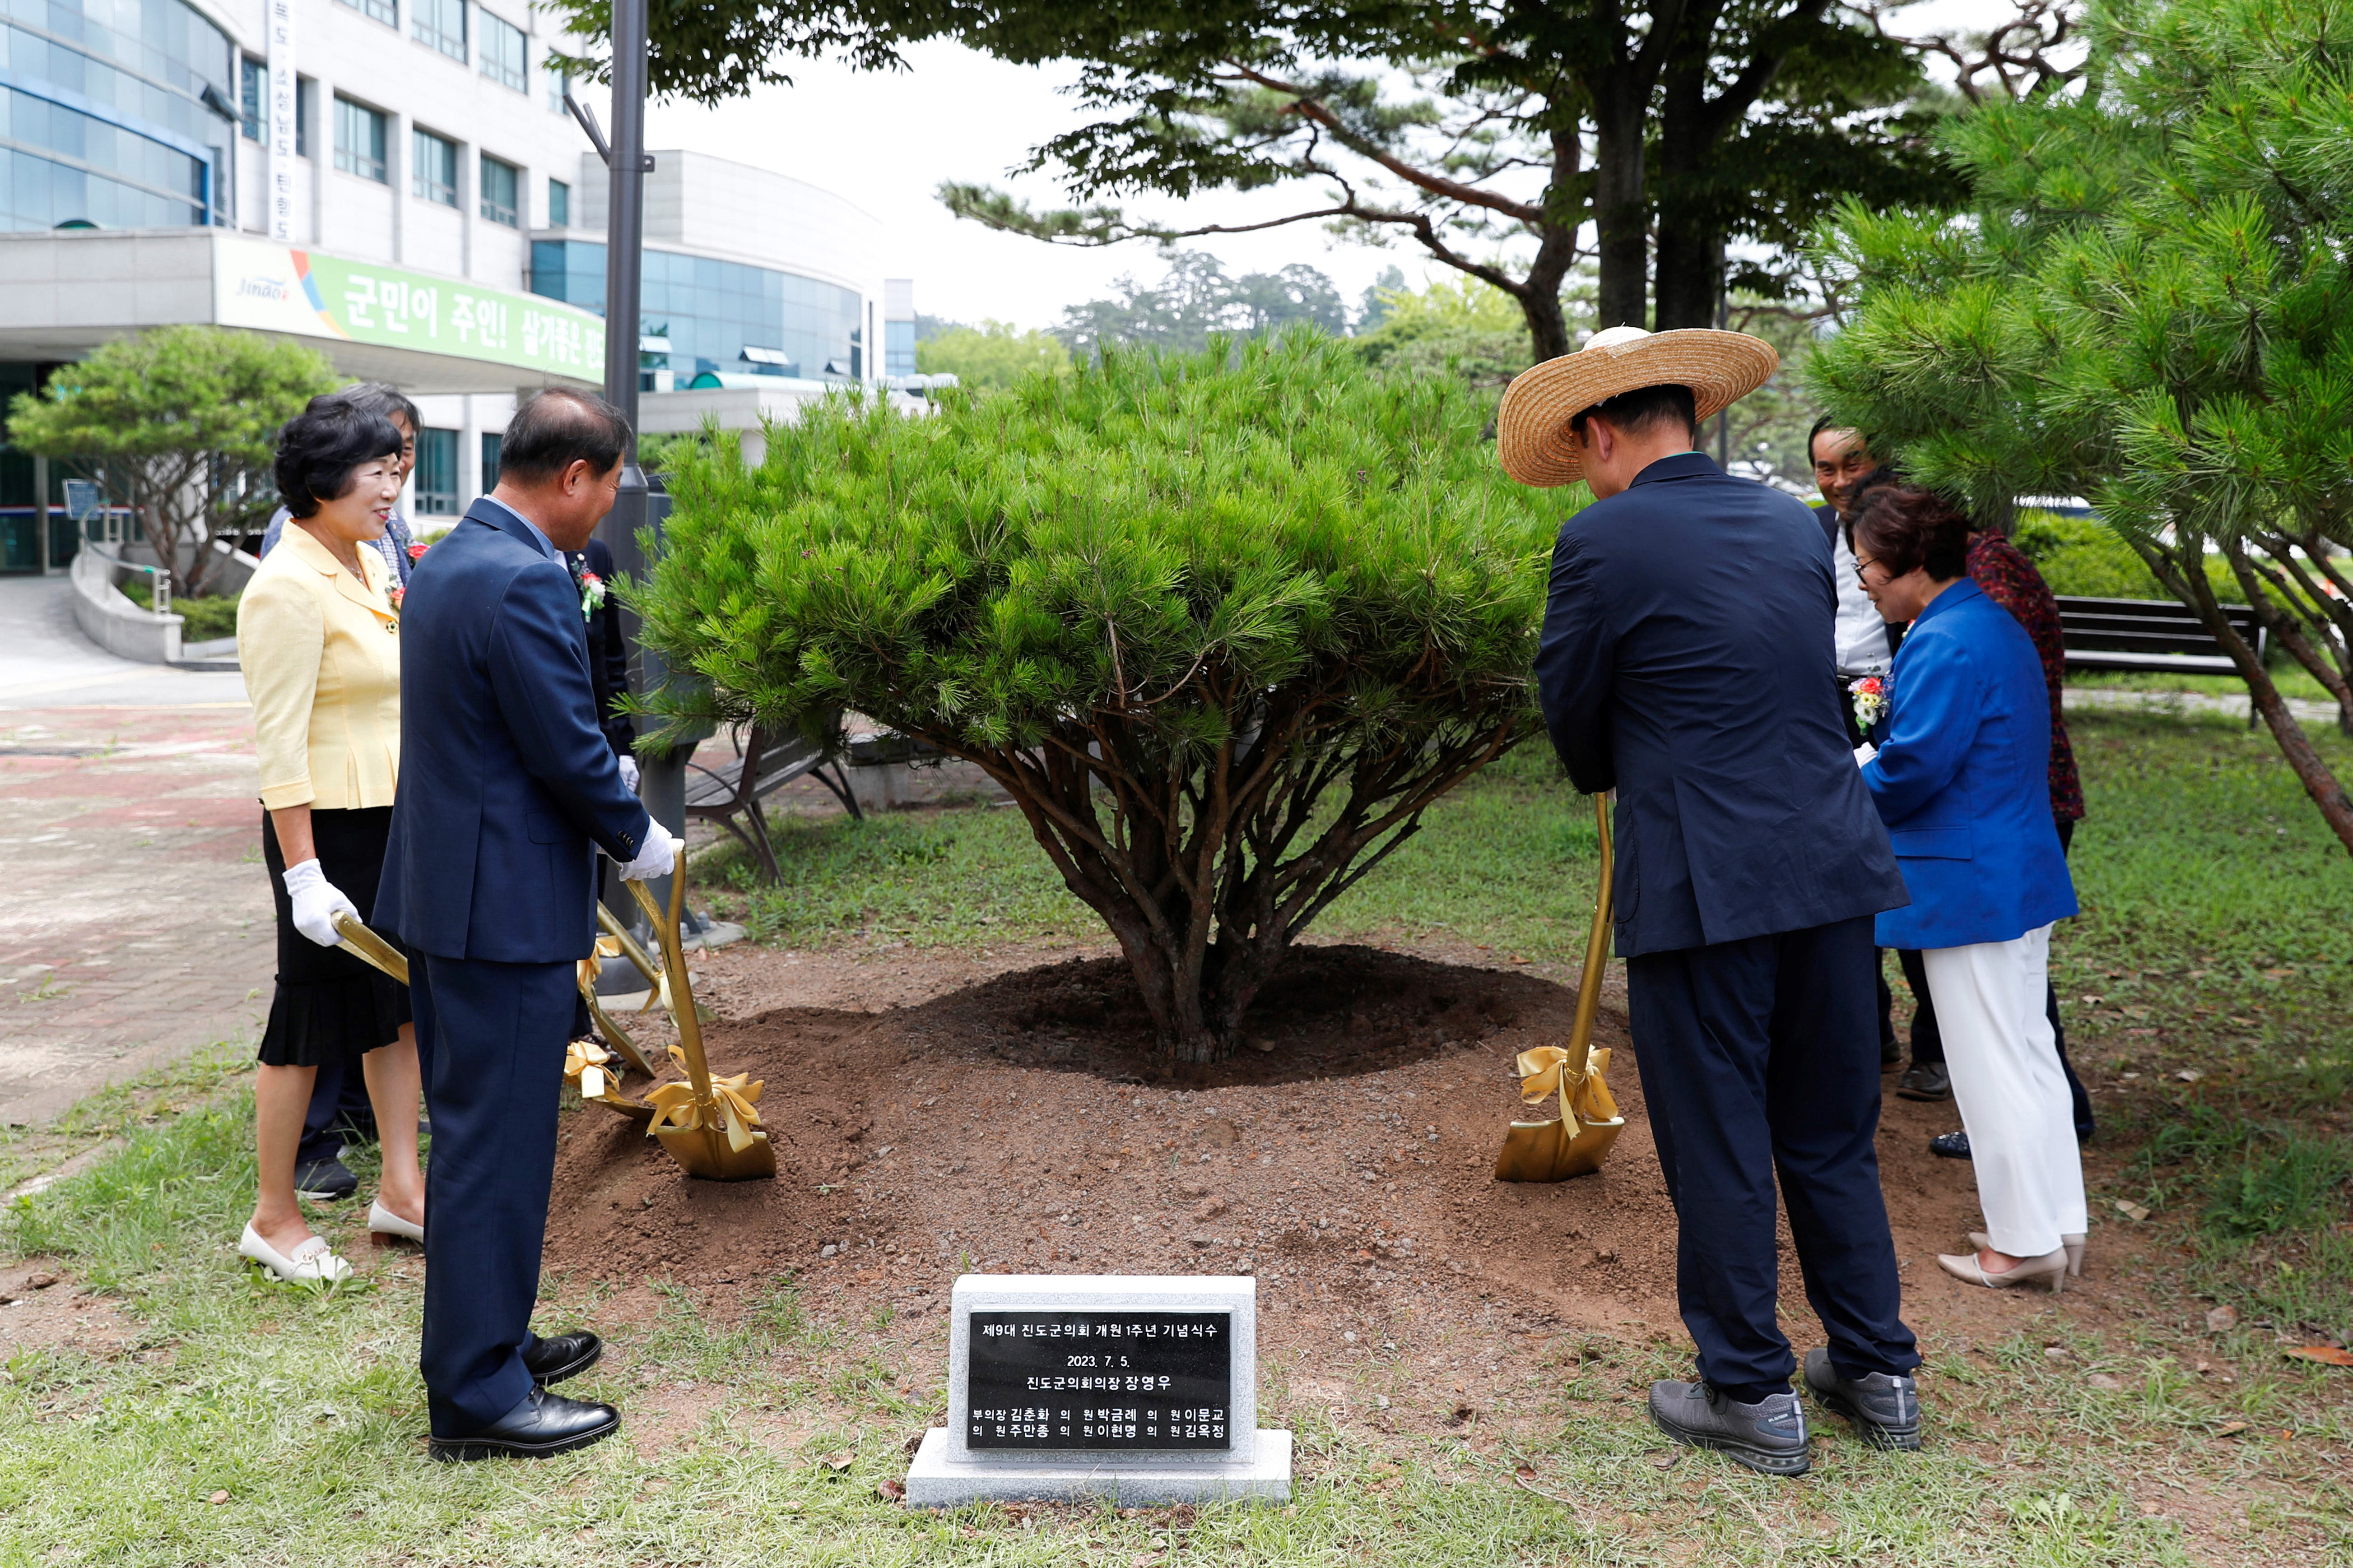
(1761, 1056)
(494, 1036)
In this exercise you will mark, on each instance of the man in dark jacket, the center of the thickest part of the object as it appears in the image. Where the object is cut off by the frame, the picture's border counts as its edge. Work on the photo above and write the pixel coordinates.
(490, 879)
(1686, 662)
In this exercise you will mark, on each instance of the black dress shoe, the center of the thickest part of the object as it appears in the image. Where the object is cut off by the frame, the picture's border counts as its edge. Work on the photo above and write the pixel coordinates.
(324, 1181)
(1950, 1146)
(565, 1355)
(545, 1424)
(1927, 1080)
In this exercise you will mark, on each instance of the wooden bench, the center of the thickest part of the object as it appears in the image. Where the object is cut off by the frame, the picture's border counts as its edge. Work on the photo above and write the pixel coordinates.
(730, 793)
(2154, 636)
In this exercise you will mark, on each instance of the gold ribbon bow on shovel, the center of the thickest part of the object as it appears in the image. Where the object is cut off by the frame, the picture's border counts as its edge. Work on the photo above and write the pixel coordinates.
(709, 1127)
(1576, 1143)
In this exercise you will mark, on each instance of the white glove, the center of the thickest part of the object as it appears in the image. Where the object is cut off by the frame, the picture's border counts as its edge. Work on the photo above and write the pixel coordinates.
(317, 902)
(630, 772)
(661, 853)
(1864, 753)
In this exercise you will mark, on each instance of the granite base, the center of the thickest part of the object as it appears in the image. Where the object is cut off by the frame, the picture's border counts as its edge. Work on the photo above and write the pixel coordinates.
(937, 1480)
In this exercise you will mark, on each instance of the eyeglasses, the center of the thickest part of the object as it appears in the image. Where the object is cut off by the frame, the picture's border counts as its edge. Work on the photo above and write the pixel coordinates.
(1863, 569)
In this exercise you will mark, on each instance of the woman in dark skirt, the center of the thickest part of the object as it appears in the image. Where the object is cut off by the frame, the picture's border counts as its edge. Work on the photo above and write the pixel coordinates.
(318, 641)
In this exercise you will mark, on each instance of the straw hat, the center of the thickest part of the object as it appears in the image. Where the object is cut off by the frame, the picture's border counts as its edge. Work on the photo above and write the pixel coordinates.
(1532, 428)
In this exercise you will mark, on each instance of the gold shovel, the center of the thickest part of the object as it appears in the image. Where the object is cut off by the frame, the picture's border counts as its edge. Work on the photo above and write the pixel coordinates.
(707, 1125)
(364, 944)
(1576, 1142)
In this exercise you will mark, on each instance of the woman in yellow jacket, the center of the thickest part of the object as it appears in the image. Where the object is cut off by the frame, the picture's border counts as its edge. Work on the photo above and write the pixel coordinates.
(319, 639)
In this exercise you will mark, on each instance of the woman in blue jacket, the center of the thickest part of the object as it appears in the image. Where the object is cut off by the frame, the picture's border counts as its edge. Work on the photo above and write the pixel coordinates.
(1960, 782)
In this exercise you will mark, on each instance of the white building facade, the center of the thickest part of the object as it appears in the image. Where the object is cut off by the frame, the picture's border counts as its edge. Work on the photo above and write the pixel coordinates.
(399, 184)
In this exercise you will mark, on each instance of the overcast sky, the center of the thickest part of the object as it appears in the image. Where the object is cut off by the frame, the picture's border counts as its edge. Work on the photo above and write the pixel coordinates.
(887, 141)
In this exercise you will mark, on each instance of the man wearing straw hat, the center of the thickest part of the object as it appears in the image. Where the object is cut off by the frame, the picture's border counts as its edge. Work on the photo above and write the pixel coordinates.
(1686, 662)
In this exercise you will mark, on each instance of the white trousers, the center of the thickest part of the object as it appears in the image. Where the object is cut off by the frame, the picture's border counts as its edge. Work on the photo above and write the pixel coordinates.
(2013, 1094)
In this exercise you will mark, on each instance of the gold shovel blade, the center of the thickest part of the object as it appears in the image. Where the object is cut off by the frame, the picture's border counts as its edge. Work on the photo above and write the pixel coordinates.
(702, 1151)
(1541, 1151)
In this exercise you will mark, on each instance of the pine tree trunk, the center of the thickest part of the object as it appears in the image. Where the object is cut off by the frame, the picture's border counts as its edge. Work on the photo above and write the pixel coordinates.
(1621, 215)
(1689, 264)
(2189, 584)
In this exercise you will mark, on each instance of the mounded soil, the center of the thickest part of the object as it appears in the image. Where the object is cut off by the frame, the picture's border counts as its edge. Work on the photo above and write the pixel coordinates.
(936, 1117)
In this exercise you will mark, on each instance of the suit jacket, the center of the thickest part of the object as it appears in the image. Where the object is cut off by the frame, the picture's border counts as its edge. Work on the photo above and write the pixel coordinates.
(1687, 663)
(506, 779)
(1962, 780)
(608, 655)
(320, 653)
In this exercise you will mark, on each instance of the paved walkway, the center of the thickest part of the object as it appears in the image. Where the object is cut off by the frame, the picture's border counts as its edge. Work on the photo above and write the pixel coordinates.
(134, 917)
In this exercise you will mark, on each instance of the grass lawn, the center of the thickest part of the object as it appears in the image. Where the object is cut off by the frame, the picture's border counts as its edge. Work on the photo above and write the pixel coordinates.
(2217, 940)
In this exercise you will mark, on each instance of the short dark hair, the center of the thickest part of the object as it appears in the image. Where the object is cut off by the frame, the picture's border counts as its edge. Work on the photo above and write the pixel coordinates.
(321, 447)
(1905, 528)
(558, 427)
(1827, 422)
(1644, 407)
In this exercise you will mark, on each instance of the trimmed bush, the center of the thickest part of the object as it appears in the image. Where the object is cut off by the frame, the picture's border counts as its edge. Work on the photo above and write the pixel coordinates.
(1224, 625)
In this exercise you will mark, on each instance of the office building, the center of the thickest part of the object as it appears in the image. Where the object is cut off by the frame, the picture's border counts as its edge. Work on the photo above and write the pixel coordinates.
(395, 182)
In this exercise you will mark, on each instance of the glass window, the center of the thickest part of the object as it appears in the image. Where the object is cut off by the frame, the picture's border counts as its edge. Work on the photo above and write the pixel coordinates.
(306, 110)
(499, 184)
(253, 99)
(437, 473)
(501, 53)
(441, 23)
(359, 140)
(492, 441)
(559, 204)
(433, 168)
(557, 82)
(383, 11)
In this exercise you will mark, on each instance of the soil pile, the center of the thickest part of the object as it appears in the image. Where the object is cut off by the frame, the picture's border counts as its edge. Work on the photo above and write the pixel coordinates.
(1017, 1125)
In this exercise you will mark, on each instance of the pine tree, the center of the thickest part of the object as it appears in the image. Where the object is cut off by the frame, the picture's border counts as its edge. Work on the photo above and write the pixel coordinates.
(1224, 625)
(2148, 302)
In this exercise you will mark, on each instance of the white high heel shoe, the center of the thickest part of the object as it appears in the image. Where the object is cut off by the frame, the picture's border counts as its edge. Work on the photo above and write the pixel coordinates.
(312, 1261)
(2051, 1266)
(2071, 1244)
(382, 1221)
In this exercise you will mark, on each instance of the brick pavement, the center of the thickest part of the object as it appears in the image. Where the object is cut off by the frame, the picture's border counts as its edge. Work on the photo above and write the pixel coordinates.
(134, 913)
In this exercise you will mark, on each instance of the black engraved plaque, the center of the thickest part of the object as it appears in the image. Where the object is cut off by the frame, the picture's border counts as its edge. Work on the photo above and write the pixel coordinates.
(1117, 1381)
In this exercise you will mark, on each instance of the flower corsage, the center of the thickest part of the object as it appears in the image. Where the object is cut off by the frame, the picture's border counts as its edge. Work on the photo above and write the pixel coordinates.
(592, 595)
(1870, 694)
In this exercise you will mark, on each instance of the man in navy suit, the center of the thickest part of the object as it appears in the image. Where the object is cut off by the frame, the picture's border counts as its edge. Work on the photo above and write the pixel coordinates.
(508, 788)
(1686, 662)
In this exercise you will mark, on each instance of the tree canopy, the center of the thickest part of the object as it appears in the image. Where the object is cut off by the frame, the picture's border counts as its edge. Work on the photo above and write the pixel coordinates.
(1224, 625)
(179, 423)
(2146, 302)
(993, 354)
(1519, 122)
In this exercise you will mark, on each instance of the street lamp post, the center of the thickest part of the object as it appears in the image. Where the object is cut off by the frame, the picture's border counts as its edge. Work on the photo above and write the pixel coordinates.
(641, 503)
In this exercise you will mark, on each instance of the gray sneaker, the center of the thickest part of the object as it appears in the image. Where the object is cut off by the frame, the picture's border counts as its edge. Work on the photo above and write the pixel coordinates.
(1885, 1409)
(1769, 1435)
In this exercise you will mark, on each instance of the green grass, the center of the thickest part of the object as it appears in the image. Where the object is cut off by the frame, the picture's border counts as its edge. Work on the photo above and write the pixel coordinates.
(304, 1409)
(1507, 861)
(2218, 935)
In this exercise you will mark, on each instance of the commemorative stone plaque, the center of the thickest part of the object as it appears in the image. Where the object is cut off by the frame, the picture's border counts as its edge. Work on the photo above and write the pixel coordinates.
(1137, 1388)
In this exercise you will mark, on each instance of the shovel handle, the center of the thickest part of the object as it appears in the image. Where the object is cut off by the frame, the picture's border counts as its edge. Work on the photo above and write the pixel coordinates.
(638, 959)
(1597, 946)
(363, 944)
(682, 993)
